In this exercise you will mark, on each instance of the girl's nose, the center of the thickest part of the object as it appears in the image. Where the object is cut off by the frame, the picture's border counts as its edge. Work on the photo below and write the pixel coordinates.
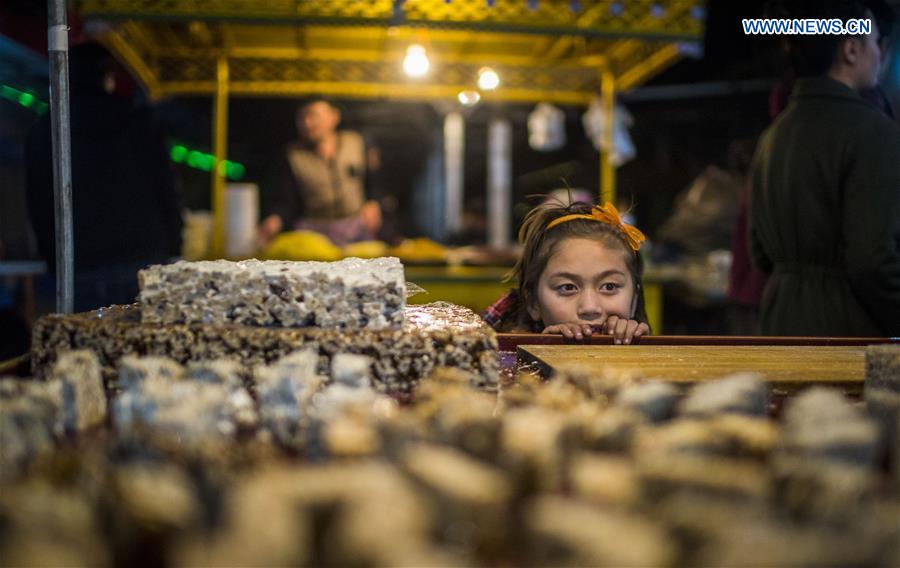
(589, 306)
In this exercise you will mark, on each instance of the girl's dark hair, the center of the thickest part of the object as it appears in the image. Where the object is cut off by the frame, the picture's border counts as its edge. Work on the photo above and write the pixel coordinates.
(539, 244)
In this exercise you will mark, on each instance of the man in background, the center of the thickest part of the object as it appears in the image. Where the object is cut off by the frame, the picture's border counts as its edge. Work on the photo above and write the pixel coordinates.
(321, 182)
(825, 204)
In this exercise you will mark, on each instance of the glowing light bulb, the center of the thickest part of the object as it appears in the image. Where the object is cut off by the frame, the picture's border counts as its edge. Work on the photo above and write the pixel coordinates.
(416, 63)
(469, 97)
(488, 79)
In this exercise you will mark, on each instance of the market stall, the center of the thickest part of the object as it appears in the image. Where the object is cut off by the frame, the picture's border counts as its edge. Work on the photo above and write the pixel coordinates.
(557, 52)
(292, 413)
(356, 50)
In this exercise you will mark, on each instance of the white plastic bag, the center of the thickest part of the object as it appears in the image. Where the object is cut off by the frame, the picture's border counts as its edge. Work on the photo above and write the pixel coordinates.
(546, 128)
(623, 148)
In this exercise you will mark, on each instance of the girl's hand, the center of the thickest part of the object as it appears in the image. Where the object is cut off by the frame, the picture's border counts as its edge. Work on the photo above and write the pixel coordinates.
(570, 330)
(624, 330)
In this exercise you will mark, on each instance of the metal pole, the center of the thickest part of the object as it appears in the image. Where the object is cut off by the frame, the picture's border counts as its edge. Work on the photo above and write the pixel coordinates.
(607, 169)
(454, 170)
(499, 182)
(58, 46)
(220, 149)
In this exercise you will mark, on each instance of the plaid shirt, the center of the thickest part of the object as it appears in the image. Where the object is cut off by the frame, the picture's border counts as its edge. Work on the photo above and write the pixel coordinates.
(501, 309)
(495, 313)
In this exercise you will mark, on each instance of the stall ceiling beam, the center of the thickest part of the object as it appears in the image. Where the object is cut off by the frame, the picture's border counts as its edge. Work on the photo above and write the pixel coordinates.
(173, 46)
(659, 59)
(349, 55)
(138, 63)
(259, 72)
(544, 17)
(374, 90)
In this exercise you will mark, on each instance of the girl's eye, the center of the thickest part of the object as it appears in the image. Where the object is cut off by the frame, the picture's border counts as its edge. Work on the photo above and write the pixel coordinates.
(609, 287)
(566, 288)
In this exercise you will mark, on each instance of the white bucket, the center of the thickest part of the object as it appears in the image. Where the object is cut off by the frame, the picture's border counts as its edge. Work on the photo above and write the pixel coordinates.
(242, 213)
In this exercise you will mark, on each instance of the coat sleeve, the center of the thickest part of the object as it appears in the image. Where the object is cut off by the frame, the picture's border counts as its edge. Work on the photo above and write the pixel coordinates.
(280, 196)
(755, 209)
(871, 220)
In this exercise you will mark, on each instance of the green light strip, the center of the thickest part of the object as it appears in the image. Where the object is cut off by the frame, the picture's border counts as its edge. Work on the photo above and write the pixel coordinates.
(23, 98)
(196, 159)
(180, 154)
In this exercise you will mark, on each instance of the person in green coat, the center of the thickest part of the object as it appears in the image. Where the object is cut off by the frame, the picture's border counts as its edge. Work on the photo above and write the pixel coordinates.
(825, 205)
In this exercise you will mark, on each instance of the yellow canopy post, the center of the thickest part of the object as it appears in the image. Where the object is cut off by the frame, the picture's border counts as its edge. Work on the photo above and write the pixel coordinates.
(607, 169)
(220, 137)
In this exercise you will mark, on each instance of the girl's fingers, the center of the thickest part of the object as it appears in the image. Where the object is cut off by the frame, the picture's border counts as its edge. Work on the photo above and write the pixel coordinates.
(621, 329)
(611, 324)
(570, 330)
(630, 330)
(561, 329)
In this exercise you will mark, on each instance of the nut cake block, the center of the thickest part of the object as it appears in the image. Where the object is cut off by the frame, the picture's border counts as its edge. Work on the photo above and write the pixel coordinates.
(351, 293)
(437, 334)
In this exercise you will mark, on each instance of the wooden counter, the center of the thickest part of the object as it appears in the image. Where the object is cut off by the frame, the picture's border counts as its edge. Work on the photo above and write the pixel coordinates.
(788, 364)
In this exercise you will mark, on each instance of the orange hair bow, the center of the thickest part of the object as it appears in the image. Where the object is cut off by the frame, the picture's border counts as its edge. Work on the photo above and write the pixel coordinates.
(607, 213)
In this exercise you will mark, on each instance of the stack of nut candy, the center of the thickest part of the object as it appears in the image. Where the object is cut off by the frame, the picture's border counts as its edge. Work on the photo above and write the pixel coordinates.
(214, 464)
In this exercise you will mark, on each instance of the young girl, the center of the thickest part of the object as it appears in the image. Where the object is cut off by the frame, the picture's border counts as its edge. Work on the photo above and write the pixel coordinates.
(580, 273)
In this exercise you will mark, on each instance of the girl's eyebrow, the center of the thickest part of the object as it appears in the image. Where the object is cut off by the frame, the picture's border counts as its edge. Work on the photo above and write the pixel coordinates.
(610, 272)
(604, 274)
(568, 275)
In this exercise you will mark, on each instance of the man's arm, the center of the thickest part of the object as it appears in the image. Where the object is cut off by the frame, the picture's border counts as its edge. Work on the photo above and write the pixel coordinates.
(757, 253)
(281, 205)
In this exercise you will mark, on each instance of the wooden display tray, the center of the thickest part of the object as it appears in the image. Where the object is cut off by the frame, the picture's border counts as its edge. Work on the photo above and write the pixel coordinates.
(788, 364)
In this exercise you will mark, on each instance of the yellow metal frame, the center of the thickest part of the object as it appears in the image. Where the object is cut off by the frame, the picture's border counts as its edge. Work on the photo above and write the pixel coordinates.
(607, 170)
(672, 19)
(544, 51)
(220, 149)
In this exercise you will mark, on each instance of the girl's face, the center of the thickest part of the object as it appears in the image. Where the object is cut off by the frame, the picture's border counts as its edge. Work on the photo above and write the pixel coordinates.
(584, 281)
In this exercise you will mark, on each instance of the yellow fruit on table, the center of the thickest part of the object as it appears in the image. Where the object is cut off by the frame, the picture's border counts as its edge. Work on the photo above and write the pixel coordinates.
(366, 249)
(302, 245)
(420, 250)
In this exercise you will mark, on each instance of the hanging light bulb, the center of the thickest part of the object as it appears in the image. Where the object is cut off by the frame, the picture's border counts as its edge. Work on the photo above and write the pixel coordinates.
(416, 63)
(488, 80)
(469, 97)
